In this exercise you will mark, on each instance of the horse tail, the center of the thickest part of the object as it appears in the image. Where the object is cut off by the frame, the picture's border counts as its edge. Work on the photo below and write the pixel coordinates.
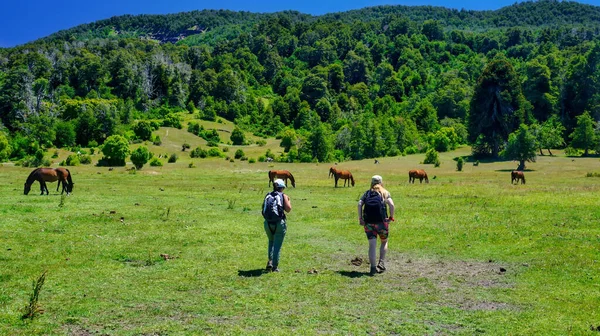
(70, 180)
(523, 176)
(270, 178)
(352, 179)
(426, 178)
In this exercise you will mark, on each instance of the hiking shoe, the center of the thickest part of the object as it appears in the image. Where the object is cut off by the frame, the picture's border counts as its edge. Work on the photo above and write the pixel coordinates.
(381, 266)
(269, 267)
(373, 271)
(276, 269)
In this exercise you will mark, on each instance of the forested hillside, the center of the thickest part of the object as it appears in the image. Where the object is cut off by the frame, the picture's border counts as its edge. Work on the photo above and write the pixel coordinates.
(368, 83)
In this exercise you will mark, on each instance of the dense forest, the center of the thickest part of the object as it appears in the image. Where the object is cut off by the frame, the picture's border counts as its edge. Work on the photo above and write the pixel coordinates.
(381, 81)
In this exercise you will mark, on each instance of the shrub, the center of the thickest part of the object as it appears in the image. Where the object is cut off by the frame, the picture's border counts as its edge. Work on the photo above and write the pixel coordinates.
(72, 160)
(570, 151)
(238, 154)
(140, 157)
(214, 152)
(191, 165)
(261, 143)
(115, 150)
(476, 163)
(411, 150)
(212, 144)
(237, 137)
(172, 120)
(185, 146)
(85, 159)
(157, 141)
(231, 160)
(252, 160)
(198, 153)
(225, 149)
(243, 158)
(155, 162)
(92, 150)
(261, 158)
(459, 164)
(432, 157)
(55, 155)
(173, 158)
(92, 143)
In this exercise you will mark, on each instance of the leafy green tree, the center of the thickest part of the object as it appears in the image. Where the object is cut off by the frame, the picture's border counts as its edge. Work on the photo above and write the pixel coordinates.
(143, 130)
(115, 150)
(288, 139)
(313, 88)
(549, 134)
(239, 153)
(521, 146)
(433, 30)
(583, 136)
(497, 106)
(5, 148)
(237, 137)
(540, 91)
(65, 134)
(320, 143)
(140, 157)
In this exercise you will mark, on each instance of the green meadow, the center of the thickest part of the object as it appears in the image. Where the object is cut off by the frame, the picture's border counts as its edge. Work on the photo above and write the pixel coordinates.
(175, 250)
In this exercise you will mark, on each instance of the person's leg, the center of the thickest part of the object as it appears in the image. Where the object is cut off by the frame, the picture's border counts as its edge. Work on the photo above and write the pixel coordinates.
(383, 236)
(278, 242)
(270, 246)
(373, 254)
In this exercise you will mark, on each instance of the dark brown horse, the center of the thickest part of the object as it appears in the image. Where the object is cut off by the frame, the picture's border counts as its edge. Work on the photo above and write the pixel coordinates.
(282, 174)
(68, 187)
(43, 175)
(332, 171)
(344, 175)
(417, 174)
(517, 175)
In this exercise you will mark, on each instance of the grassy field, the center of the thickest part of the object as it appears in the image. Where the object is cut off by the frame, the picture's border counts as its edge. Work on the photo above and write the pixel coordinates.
(469, 252)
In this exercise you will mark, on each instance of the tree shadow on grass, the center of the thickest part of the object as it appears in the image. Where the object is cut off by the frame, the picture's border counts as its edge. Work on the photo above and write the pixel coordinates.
(353, 274)
(510, 170)
(251, 273)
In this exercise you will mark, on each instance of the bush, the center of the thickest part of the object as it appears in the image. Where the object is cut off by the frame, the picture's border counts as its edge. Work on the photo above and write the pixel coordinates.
(92, 150)
(72, 160)
(198, 153)
(55, 155)
(191, 165)
(570, 151)
(92, 143)
(185, 146)
(157, 141)
(173, 158)
(212, 144)
(411, 150)
(225, 149)
(238, 154)
(243, 158)
(140, 157)
(261, 158)
(172, 120)
(115, 150)
(214, 152)
(85, 159)
(252, 160)
(261, 143)
(237, 137)
(155, 162)
(459, 164)
(432, 157)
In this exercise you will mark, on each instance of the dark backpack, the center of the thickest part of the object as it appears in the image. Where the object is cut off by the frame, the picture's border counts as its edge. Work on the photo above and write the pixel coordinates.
(272, 211)
(374, 210)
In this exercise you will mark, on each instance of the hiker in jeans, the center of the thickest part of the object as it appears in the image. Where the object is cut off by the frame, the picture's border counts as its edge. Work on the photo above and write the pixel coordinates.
(373, 204)
(276, 228)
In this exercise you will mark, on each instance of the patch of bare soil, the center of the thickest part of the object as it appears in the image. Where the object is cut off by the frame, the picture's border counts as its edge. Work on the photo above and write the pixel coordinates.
(75, 330)
(458, 284)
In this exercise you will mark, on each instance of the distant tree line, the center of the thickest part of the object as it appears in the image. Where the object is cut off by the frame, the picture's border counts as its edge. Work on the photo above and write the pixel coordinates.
(381, 81)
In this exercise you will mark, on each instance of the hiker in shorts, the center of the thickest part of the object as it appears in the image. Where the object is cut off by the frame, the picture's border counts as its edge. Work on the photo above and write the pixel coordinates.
(275, 205)
(372, 215)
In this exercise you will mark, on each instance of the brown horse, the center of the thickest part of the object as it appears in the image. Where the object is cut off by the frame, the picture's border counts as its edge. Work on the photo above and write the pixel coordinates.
(344, 175)
(43, 175)
(68, 187)
(417, 174)
(282, 174)
(517, 175)
(332, 171)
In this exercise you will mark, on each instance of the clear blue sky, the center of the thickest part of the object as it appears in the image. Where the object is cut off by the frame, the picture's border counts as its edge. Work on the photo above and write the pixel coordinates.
(22, 21)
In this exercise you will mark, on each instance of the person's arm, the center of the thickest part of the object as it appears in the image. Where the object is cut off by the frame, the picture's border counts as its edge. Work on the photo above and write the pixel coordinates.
(360, 215)
(390, 203)
(287, 205)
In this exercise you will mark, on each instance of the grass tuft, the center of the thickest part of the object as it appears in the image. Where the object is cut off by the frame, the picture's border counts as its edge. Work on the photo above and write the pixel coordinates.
(33, 308)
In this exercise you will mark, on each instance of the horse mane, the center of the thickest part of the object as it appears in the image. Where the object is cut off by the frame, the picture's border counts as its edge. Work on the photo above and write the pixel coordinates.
(31, 177)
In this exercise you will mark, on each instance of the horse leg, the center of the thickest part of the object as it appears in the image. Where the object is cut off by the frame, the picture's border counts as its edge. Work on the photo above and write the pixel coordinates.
(336, 180)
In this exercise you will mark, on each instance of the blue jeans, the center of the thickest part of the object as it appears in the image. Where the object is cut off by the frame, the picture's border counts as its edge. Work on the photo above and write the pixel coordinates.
(276, 233)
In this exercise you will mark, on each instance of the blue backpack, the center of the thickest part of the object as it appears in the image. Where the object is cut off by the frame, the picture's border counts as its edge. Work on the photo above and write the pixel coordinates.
(272, 209)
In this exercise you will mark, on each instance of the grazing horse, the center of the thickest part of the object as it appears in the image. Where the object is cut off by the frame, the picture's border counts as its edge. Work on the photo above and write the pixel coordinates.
(517, 175)
(68, 187)
(332, 171)
(344, 175)
(43, 175)
(282, 174)
(417, 174)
